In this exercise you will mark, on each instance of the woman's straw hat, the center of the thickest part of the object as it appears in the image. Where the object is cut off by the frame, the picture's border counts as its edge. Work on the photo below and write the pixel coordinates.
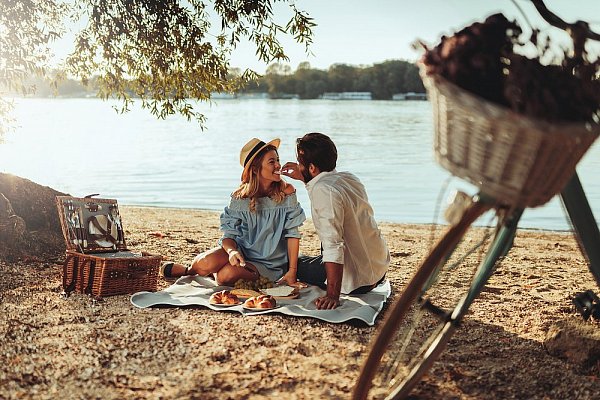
(250, 150)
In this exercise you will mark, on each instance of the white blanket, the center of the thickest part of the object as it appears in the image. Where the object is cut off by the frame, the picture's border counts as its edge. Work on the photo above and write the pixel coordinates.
(195, 290)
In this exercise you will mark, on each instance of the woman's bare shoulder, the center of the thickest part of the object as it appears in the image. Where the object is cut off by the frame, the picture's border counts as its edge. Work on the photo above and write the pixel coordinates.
(288, 188)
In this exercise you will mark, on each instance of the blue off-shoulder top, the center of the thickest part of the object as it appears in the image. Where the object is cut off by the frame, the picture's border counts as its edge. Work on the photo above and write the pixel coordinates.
(261, 235)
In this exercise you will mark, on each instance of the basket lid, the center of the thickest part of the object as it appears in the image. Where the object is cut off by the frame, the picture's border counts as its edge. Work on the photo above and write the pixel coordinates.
(91, 225)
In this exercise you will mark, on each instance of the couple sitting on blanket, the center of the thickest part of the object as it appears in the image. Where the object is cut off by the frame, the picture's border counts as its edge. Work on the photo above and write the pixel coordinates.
(260, 225)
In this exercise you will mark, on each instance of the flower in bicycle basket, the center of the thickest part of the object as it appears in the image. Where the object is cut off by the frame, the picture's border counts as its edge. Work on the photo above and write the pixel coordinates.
(482, 58)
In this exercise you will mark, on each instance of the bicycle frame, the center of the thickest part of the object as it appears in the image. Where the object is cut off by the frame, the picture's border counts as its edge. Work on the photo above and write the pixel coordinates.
(446, 320)
(584, 226)
(499, 248)
(416, 290)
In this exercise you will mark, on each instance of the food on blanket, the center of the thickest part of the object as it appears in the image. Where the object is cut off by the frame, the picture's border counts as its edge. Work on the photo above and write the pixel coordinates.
(224, 297)
(245, 293)
(279, 291)
(263, 301)
(261, 283)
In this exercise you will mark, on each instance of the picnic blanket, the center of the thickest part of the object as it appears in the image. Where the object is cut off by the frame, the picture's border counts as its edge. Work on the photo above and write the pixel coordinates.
(196, 290)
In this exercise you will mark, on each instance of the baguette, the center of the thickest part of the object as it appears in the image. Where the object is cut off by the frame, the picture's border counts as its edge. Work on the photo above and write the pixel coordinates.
(245, 293)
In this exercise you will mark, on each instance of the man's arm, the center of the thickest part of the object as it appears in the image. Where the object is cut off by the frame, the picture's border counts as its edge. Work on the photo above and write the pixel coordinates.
(328, 217)
(334, 286)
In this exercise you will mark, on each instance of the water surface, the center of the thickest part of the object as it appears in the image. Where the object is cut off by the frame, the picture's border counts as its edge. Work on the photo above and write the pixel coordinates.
(82, 146)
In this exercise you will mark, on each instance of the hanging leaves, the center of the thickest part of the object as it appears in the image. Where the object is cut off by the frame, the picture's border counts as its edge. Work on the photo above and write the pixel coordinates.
(159, 52)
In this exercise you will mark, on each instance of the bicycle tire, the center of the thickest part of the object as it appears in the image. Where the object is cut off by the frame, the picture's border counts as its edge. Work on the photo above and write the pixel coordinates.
(411, 294)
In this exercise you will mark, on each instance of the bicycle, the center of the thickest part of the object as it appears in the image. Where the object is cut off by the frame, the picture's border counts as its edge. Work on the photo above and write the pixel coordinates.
(422, 320)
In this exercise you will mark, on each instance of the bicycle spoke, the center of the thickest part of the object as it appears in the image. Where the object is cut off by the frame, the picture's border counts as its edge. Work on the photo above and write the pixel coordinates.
(399, 355)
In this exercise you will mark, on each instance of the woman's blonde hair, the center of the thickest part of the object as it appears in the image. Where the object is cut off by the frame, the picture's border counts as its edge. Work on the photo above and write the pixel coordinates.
(249, 190)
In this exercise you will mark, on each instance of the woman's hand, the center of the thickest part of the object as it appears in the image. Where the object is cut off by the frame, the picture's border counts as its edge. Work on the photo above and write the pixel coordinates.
(292, 170)
(290, 279)
(236, 259)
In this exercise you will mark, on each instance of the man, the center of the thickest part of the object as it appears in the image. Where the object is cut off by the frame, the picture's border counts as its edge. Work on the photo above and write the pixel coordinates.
(354, 256)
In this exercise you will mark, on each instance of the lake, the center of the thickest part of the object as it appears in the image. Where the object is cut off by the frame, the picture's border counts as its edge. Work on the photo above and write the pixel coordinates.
(83, 146)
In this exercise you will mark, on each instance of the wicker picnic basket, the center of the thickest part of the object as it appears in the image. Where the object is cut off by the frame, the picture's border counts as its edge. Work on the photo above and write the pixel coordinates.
(97, 260)
(517, 160)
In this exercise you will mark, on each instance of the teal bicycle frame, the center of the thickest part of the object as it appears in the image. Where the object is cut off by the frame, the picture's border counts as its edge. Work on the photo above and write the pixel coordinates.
(584, 225)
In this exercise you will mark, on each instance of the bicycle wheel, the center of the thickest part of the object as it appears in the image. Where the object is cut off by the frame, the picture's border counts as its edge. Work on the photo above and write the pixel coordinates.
(424, 317)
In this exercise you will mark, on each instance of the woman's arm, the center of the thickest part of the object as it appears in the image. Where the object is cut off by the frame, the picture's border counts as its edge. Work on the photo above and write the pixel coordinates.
(293, 248)
(235, 257)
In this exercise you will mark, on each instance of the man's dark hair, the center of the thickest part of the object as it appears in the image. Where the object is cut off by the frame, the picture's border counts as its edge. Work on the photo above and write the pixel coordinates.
(318, 149)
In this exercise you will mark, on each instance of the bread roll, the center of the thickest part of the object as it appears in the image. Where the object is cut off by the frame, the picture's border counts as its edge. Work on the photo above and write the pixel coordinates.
(263, 301)
(224, 297)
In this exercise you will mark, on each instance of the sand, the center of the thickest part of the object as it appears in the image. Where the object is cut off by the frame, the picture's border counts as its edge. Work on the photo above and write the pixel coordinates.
(54, 347)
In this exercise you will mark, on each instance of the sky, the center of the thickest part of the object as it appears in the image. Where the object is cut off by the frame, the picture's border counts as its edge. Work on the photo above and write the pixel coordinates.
(364, 32)
(360, 32)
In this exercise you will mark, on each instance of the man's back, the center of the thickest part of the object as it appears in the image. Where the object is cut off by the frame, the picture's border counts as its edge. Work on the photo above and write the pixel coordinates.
(347, 228)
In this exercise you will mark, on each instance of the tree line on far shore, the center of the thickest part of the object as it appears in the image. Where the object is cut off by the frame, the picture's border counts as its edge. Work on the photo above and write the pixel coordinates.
(382, 80)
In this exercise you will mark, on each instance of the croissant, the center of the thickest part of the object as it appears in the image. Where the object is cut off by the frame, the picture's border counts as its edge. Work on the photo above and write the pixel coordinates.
(223, 297)
(262, 301)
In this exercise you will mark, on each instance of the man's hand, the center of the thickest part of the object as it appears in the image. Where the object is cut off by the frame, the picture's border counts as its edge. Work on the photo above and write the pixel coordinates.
(326, 303)
(334, 285)
(292, 170)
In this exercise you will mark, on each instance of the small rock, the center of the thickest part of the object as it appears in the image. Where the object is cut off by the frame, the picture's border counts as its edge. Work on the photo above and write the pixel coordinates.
(576, 341)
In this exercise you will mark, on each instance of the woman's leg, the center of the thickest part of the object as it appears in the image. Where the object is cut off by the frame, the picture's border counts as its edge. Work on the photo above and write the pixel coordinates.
(228, 275)
(216, 261)
(209, 262)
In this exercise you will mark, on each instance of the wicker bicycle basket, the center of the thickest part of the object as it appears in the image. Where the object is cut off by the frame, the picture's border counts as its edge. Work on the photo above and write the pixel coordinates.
(517, 160)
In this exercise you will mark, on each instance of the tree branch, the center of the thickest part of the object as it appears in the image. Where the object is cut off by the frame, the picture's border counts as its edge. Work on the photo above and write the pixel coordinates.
(581, 27)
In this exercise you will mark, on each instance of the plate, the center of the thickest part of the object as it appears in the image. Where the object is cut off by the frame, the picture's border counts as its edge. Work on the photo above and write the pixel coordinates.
(282, 291)
(225, 305)
(291, 296)
(253, 309)
(294, 295)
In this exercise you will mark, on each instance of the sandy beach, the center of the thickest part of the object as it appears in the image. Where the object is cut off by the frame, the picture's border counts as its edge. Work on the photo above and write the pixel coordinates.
(76, 348)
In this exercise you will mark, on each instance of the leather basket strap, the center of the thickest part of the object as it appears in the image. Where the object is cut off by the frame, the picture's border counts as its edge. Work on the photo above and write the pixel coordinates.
(104, 234)
(69, 287)
(90, 283)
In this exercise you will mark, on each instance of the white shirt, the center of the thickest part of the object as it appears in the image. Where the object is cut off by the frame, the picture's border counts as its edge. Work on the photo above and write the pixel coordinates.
(346, 226)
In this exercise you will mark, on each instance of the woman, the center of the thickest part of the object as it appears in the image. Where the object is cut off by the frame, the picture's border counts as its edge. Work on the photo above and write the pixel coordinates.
(260, 225)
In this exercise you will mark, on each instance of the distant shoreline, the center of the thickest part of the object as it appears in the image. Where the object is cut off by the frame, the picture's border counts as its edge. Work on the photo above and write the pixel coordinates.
(410, 96)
